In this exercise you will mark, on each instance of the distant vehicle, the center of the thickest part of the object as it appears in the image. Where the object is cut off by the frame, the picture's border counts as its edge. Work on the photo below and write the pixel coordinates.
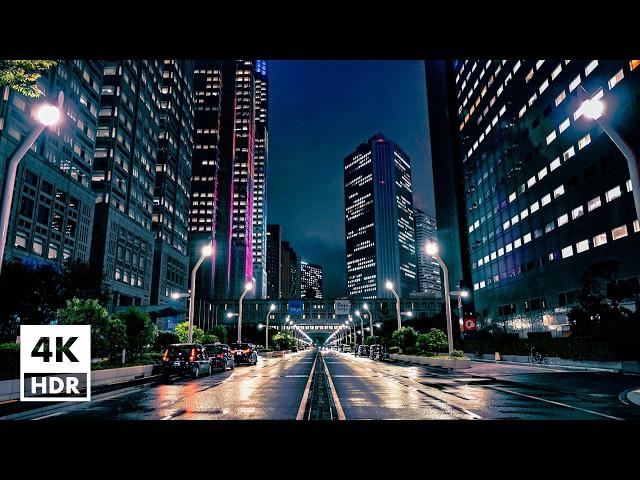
(185, 358)
(346, 348)
(294, 349)
(244, 353)
(376, 352)
(220, 356)
(362, 351)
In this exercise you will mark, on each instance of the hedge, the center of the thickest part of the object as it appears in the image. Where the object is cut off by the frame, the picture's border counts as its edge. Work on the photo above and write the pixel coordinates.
(9, 361)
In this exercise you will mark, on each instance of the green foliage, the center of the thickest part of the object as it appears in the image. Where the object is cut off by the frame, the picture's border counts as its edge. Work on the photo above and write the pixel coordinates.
(9, 361)
(208, 338)
(411, 350)
(282, 340)
(117, 338)
(219, 331)
(31, 295)
(22, 75)
(89, 312)
(457, 354)
(371, 340)
(394, 349)
(163, 339)
(182, 331)
(435, 340)
(140, 330)
(405, 337)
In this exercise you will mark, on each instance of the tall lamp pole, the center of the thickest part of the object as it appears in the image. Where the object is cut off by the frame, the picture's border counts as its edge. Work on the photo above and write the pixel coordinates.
(47, 115)
(361, 327)
(204, 253)
(247, 287)
(266, 339)
(389, 286)
(432, 250)
(366, 307)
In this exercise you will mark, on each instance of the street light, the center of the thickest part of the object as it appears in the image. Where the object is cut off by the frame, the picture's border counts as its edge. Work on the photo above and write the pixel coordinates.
(460, 294)
(594, 108)
(247, 288)
(432, 250)
(47, 115)
(205, 252)
(389, 286)
(361, 327)
(366, 307)
(266, 342)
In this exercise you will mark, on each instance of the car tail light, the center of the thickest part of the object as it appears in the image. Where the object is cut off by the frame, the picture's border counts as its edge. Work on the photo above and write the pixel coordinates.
(220, 355)
(246, 351)
(165, 357)
(192, 357)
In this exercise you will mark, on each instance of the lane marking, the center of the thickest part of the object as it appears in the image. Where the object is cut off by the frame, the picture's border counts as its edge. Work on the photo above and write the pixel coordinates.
(334, 394)
(49, 416)
(168, 417)
(305, 395)
(552, 402)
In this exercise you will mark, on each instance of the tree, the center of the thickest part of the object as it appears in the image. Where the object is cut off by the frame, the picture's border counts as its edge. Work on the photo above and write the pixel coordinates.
(207, 338)
(116, 337)
(405, 337)
(90, 312)
(370, 340)
(182, 331)
(141, 331)
(163, 339)
(219, 331)
(435, 340)
(283, 340)
(22, 75)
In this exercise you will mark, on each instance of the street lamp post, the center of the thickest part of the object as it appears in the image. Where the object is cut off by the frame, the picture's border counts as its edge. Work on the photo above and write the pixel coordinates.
(594, 108)
(361, 327)
(247, 287)
(266, 340)
(204, 253)
(460, 294)
(432, 250)
(389, 286)
(47, 115)
(366, 307)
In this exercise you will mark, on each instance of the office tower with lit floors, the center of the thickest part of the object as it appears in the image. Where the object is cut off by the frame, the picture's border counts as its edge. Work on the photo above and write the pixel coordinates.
(428, 269)
(546, 193)
(51, 218)
(173, 182)
(274, 261)
(379, 220)
(124, 172)
(290, 272)
(310, 280)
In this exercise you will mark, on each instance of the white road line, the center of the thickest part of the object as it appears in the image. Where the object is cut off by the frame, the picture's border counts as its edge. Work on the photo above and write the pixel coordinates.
(552, 402)
(49, 416)
(305, 395)
(334, 394)
(168, 417)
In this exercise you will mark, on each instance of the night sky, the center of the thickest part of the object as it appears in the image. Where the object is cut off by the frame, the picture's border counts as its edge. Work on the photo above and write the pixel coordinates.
(319, 112)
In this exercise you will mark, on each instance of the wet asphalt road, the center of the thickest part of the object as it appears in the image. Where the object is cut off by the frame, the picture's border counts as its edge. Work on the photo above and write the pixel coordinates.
(366, 389)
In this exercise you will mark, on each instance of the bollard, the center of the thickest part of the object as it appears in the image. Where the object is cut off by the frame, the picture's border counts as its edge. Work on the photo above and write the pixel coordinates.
(498, 357)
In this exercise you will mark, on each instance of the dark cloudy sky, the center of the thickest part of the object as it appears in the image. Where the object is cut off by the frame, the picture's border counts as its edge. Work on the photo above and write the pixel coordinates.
(319, 112)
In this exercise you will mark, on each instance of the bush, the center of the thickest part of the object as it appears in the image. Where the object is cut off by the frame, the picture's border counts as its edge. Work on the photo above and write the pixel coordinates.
(9, 361)
(208, 338)
(405, 337)
(411, 350)
(394, 349)
(89, 312)
(182, 331)
(457, 354)
(140, 330)
(219, 331)
(433, 341)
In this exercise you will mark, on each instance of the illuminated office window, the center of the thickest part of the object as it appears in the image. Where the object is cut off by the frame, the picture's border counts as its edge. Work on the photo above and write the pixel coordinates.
(558, 191)
(577, 212)
(582, 246)
(544, 86)
(531, 182)
(560, 98)
(589, 68)
(555, 164)
(613, 193)
(564, 125)
(628, 185)
(599, 239)
(616, 79)
(535, 206)
(594, 203)
(568, 154)
(526, 238)
(542, 173)
(563, 220)
(574, 83)
(512, 197)
(556, 71)
(584, 141)
(567, 251)
(551, 137)
(619, 232)
(546, 199)
(633, 64)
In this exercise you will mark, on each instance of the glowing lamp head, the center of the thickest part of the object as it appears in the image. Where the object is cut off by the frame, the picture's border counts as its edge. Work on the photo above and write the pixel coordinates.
(272, 307)
(464, 293)
(207, 250)
(248, 286)
(229, 314)
(175, 296)
(48, 115)
(409, 314)
(357, 313)
(366, 307)
(388, 285)
(593, 108)
(431, 248)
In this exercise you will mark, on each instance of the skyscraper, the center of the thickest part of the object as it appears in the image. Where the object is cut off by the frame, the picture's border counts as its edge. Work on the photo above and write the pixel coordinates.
(52, 211)
(310, 280)
(274, 261)
(173, 182)
(290, 272)
(428, 269)
(545, 194)
(124, 171)
(261, 155)
(379, 223)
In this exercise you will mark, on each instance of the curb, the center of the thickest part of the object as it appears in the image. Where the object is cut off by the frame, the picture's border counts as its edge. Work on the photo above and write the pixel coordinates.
(568, 367)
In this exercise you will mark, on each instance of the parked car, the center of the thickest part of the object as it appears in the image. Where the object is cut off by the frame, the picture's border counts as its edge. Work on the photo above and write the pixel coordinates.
(220, 356)
(185, 358)
(362, 351)
(346, 349)
(376, 352)
(244, 353)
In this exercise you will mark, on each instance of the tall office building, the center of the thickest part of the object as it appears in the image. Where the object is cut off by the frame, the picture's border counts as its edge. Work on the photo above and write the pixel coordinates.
(124, 172)
(261, 155)
(173, 182)
(290, 272)
(379, 223)
(274, 261)
(204, 221)
(310, 280)
(545, 194)
(51, 217)
(428, 269)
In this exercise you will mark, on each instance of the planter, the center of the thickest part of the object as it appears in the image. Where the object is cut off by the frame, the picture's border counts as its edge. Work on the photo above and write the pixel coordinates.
(455, 363)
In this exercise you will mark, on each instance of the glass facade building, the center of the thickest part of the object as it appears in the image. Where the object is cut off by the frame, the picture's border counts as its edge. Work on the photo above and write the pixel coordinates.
(310, 280)
(428, 269)
(379, 220)
(274, 261)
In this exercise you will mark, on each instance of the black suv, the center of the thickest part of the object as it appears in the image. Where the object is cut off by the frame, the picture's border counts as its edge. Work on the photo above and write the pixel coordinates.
(220, 356)
(376, 352)
(362, 351)
(185, 358)
(244, 353)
